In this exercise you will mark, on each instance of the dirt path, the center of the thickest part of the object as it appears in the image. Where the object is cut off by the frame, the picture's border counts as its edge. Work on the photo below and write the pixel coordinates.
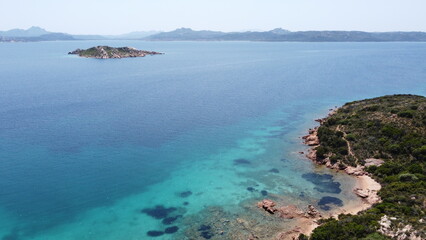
(350, 152)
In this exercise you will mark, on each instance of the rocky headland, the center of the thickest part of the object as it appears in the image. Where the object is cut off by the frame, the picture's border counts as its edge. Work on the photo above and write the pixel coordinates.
(382, 142)
(106, 52)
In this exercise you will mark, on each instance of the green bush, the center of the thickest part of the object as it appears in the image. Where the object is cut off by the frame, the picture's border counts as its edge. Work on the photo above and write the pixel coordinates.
(407, 177)
(392, 132)
(406, 114)
(420, 153)
(350, 137)
(321, 151)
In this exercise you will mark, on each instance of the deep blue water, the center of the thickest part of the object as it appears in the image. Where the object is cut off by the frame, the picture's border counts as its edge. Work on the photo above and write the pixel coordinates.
(78, 134)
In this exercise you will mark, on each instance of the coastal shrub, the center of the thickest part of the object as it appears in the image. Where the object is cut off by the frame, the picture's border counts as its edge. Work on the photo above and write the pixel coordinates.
(375, 236)
(388, 168)
(347, 227)
(350, 137)
(303, 237)
(414, 107)
(372, 108)
(344, 122)
(373, 130)
(406, 114)
(394, 148)
(391, 132)
(420, 153)
(331, 121)
(334, 159)
(415, 168)
(343, 150)
(321, 151)
(407, 177)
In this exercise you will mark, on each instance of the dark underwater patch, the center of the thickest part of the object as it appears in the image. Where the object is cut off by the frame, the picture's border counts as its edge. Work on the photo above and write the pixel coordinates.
(241, 161)
(251, 189)
(185, 194)
(154, 233)
(12, 236)
(185, 203)
(323, 182)
(158, 212)
(274, 170)
(204, 228)
(264, 192)
(205, 231)
(171, 230)
(170, 220)
(325, 202)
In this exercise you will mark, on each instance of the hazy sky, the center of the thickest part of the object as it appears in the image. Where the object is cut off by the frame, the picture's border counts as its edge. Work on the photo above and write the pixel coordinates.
(114, 17)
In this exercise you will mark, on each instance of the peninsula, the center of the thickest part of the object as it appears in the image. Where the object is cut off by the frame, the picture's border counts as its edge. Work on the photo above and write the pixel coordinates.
(384, 139)
(105, 52)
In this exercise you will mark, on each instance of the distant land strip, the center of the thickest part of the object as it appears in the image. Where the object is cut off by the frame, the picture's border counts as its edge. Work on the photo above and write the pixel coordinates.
(34, 34)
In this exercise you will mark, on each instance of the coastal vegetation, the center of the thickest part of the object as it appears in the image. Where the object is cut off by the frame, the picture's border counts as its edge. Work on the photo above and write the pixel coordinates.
(105, 52)
(392, 131)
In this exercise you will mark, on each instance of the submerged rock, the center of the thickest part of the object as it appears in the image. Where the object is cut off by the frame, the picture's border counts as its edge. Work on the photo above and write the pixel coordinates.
(170, 220)
(274, 170)
(159, 211)
(264, 192)
(241, 161)
(185, 194)
(324, 202)
(205, 231)
(323, 182)
(171, 230)
(155, 233)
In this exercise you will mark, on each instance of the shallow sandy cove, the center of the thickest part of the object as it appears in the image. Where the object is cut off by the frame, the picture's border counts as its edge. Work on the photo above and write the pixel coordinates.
(362, 182)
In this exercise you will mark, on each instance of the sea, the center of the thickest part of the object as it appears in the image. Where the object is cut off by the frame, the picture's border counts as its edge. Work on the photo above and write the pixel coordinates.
(181, 145)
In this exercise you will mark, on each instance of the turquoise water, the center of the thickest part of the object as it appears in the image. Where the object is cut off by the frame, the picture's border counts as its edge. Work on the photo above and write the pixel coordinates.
(87, 145)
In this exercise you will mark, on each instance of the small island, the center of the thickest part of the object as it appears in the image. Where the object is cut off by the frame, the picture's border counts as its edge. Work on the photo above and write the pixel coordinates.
(106, 52)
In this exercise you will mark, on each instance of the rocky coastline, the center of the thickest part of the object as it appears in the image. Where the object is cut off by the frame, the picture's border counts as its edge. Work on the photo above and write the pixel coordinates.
(308, 218)
(106, 52)
(366, 192)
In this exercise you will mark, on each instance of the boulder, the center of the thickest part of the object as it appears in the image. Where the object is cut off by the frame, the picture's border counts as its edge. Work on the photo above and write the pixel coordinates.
(356, 171)
(373, 162)
(267, 205)
(289, 212)
(364, 193)
(312, 212)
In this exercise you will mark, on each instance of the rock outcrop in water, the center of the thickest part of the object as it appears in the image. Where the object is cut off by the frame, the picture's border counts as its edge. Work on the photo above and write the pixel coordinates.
(105, 52)
(267, 205)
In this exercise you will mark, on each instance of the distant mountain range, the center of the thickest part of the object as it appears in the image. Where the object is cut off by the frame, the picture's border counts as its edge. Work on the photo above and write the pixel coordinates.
(281, 35)
(39, 34)
(187, 34)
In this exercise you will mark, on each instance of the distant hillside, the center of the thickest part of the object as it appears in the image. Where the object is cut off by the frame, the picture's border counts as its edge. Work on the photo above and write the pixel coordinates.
(32, 34)
(281, 35)
(39, 34)
(187, 34)
(132, 35)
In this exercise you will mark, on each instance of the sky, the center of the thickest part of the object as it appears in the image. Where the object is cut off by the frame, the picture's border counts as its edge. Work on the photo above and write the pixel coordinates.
(123, 16)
